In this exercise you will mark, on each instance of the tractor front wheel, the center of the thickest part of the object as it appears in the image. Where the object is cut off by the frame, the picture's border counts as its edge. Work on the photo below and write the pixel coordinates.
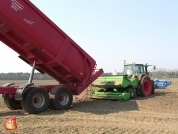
(146, 86)
(132, 93)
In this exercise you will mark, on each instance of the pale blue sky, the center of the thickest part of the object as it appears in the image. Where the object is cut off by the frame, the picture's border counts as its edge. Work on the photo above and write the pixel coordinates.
(112, 31)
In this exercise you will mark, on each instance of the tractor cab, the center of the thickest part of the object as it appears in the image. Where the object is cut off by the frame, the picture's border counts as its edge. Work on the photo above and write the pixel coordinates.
(135, 68)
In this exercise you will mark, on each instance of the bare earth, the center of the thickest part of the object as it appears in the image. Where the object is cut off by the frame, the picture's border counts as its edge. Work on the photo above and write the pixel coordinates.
(157, 114)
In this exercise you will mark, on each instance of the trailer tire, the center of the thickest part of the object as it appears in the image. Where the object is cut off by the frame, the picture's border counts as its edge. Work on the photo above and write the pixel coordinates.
(61, 98)
(153, 87)
(146, 86)
(35, 100)
(12, 104)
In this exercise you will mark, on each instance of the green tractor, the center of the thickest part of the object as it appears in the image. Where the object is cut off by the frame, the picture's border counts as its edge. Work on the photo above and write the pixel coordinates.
(134, 81)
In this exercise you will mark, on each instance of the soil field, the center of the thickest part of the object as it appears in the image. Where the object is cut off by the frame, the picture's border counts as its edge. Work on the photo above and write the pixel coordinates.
(157, 114)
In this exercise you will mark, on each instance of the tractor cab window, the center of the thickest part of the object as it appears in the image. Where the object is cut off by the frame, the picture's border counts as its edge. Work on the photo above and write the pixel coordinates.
(139, 69)
(142, 69)
(128, 68)
(134, 68)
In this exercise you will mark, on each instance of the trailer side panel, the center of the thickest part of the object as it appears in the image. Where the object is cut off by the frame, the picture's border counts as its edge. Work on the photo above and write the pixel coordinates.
(26, 30)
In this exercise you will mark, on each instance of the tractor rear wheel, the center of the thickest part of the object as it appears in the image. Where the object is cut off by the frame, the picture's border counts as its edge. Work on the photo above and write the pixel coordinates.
(146, 86)
(153, 87)
(61, 98)
(35, 100)
(11, 103)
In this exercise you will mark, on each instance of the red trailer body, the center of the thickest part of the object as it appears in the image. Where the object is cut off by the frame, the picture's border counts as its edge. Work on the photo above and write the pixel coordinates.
(26, 30)
(43, 45)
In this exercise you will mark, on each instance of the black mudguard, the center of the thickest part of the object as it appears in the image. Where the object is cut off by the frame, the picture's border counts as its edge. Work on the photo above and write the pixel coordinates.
(20, 90)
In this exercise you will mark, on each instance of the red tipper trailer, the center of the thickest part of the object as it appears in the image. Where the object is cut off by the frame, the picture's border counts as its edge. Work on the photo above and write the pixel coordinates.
(44, 46)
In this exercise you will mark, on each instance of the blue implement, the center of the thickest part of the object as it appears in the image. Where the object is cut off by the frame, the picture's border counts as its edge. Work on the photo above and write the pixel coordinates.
(161, 84)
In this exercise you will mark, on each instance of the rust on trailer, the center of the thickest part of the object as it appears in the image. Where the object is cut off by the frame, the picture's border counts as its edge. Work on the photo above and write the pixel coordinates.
(29, 32)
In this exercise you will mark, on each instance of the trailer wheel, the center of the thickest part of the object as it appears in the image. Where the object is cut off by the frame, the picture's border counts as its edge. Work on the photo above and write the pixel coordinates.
(35, 100)
(11, 103)
(61, 98)
(132, 93)
(153, 87)
(146, 86)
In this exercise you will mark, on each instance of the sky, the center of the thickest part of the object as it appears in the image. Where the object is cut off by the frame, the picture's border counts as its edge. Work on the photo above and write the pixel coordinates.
(111, 31)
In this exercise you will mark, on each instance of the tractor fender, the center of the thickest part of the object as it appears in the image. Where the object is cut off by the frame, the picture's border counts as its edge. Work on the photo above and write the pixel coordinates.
(20, 90)
(140, 76)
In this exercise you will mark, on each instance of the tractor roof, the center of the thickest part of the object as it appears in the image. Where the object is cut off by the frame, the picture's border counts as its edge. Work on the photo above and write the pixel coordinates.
(131, 63)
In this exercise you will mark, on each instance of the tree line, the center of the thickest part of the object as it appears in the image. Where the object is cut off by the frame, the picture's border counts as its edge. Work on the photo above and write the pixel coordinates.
(23, 76)
(161, 73)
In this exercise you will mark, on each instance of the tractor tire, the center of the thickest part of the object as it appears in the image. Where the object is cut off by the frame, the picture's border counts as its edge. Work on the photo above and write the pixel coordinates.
(61, 98)
(132, 93)
(153, 87)
(146, 86)
(35, 100)
(12, 104)
(138, 91)
(101, 90)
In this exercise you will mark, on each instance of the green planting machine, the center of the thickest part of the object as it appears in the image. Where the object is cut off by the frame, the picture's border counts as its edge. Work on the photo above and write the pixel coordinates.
(134, 81)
